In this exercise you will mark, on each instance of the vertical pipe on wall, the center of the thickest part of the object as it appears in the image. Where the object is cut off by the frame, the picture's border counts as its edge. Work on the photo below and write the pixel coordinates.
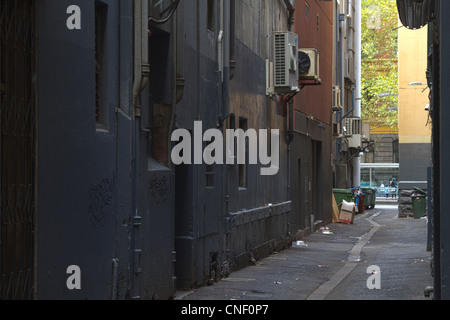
(220, 50)
(338, 80)
(137, 51)
(226, 59)
(197, 70)
(227, 11)
(178, 75)
(291, 8)
(290, 105)
(357, 160)
(224, 54)
(220, 63)
(232, 37)
(141, 77)
(141, 62)
(175, 87)
(133, 149)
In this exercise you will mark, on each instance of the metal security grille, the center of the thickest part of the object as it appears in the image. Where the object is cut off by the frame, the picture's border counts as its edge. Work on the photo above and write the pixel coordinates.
(17, 147)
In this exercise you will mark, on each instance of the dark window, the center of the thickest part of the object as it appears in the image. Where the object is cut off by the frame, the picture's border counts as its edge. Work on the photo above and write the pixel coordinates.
(232, 122)
(211, 12)
(395, 152)
(209, 174)
(101, 75)
(307, 10)
(243, 124)
(232, 126)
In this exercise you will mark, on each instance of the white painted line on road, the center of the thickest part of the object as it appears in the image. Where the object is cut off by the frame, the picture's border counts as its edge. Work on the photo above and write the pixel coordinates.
(355, 256)
(324, 290)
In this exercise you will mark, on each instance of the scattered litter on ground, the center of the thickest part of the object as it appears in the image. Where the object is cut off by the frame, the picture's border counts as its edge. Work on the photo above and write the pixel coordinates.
(418, 260)
(322, 266)
(299, 244)
(326, 230)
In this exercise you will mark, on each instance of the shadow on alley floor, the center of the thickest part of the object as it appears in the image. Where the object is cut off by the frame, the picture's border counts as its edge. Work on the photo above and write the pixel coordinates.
(334, 265)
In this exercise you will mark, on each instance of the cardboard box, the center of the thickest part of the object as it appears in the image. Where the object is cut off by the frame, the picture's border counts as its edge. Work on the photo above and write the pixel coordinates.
(335, 209)
(348, 212)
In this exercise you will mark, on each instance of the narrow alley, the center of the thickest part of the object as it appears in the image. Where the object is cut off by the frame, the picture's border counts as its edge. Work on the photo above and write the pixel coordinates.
(171, 150)
(332, 264)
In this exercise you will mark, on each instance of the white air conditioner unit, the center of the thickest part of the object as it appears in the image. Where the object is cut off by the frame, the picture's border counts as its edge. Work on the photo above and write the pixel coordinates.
(349, 65)
(355, 142)
(354, 132)
(348, 127)
(286, 62)
(353, 126)
(309, 64)
(336, 98)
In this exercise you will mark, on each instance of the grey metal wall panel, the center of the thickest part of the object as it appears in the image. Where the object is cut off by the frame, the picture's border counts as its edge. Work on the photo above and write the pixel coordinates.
(415, 158)
(75, 163)
(158, 234)
(203, 240)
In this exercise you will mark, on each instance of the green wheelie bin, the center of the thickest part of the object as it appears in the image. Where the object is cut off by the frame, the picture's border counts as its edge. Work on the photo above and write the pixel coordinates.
(343, 194)
(419, 203)
(369, 202)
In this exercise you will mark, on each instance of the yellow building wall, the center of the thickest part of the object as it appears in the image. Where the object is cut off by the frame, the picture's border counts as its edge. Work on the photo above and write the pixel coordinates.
(412, 51)
(383, 130)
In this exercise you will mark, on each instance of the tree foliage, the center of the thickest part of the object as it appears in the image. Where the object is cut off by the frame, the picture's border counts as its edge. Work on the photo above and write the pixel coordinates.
(379, 66)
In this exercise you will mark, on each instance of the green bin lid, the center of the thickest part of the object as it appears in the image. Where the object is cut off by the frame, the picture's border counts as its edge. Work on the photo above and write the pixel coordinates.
(342, 190)
(420, 191)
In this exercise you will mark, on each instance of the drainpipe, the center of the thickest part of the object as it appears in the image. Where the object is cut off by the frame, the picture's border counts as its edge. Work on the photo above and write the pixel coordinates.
(179, 50)
(232, 37)
(290, 4)
(220, 63)
(341, 67)
(339, 77)
(141, 77)
(224, 54)
(180, 81)
(141, 63)
(290, 102)
(220, 49)
(357, 160)
(337, 46)
(226, 59)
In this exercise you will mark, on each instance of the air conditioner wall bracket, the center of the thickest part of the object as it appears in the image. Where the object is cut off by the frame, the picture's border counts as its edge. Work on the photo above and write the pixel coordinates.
(315, 82)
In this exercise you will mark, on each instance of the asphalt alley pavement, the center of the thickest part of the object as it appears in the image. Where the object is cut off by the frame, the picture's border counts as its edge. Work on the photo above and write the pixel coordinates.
(334, 265)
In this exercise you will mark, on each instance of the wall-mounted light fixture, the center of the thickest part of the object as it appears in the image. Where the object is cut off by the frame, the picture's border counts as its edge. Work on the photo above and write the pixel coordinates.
(419, 84)
(416, 84)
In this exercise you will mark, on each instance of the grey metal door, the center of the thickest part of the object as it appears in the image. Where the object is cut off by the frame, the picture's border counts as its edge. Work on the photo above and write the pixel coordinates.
(17, 147)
